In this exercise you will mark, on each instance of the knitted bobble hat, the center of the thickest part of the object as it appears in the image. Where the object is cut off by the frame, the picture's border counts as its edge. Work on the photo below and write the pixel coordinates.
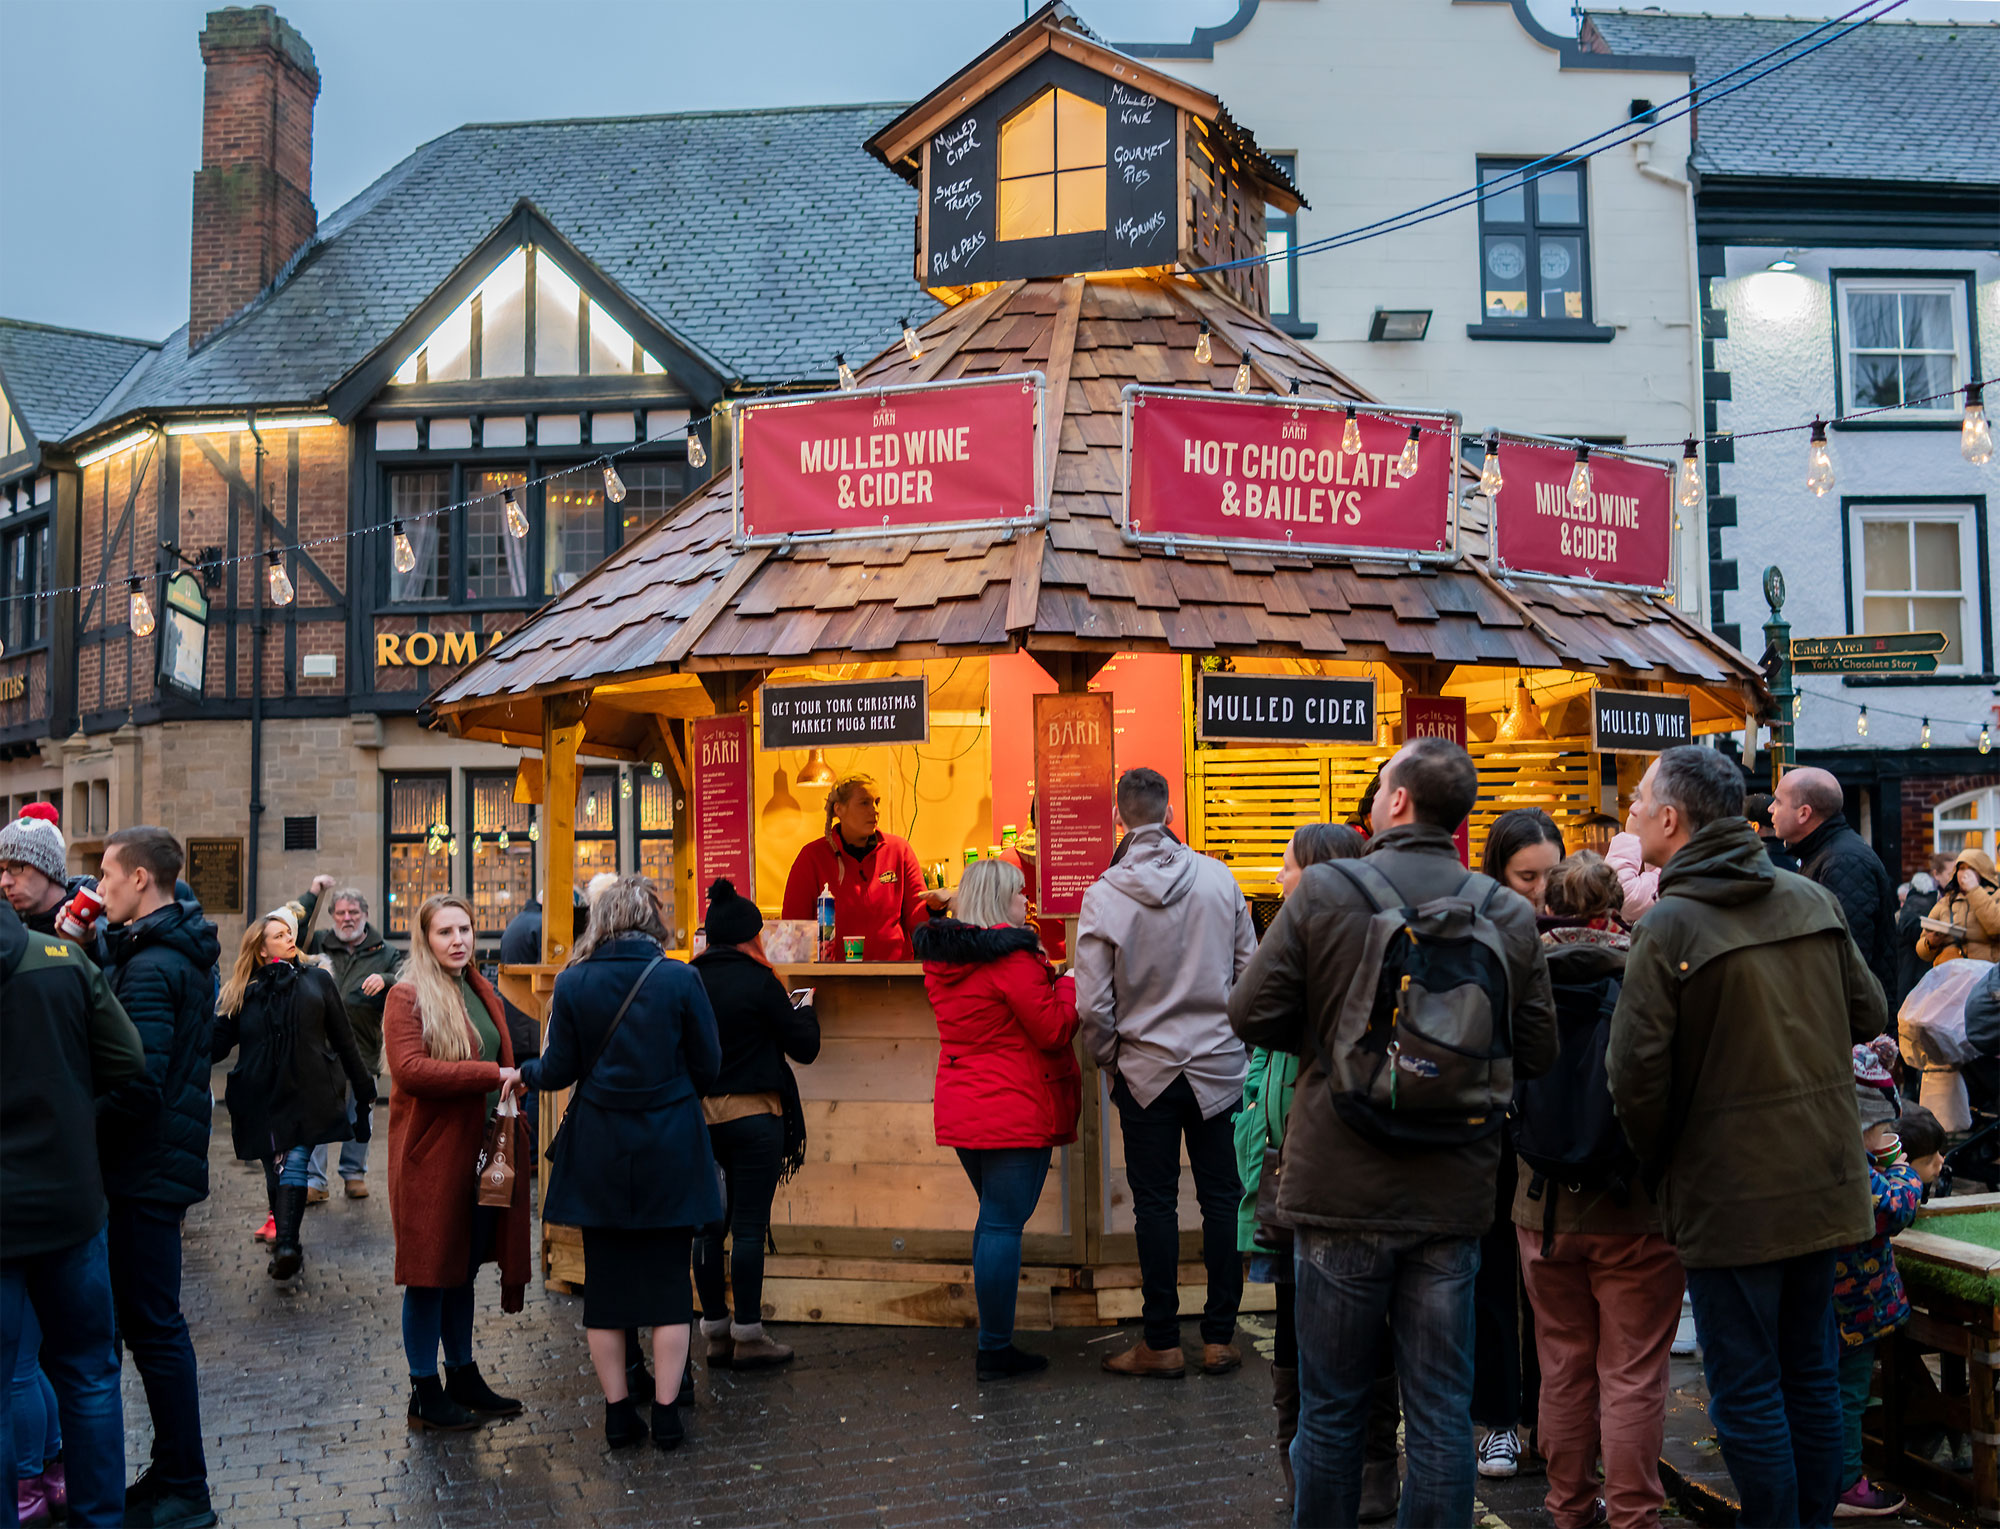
(36, 842)
(732, 920)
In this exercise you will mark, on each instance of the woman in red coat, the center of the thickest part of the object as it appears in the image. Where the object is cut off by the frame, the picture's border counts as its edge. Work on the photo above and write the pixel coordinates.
(451, 1062)
(877, 885)
(1008, 1087)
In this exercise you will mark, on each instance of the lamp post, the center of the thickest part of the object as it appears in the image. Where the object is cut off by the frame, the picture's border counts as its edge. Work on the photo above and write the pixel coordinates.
(1778, 644)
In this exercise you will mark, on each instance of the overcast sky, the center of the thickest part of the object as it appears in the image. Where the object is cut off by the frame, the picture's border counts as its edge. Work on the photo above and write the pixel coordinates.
(103, 100)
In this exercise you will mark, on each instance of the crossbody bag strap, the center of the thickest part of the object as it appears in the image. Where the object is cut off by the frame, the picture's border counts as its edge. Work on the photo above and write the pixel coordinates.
(616, 1020)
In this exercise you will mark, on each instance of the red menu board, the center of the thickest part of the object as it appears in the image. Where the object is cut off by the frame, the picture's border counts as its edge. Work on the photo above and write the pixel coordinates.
(1220, 467)
(888, 458)
(724, 814)
(1075, 795)
(1439, 716)
(1624, 533)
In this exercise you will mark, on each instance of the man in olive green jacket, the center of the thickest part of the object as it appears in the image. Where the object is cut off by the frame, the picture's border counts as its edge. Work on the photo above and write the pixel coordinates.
(364, 969)
(1730, 1065)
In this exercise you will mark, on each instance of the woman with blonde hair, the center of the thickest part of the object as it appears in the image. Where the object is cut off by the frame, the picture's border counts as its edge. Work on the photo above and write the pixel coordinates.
(631, 1031)
(877, 885)
(451, 1061)
(288, 1090)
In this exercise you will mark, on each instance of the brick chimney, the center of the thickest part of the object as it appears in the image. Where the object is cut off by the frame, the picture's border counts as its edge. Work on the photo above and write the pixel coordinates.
(253, 193)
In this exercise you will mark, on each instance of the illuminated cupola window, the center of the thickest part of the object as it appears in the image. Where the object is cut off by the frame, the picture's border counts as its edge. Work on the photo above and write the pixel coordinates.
(1052, 168)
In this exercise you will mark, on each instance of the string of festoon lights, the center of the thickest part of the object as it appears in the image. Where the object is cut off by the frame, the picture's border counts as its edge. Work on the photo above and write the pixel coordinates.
(1983, 729)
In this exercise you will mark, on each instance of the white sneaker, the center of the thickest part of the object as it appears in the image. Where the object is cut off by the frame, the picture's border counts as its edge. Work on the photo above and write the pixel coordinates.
(1684, 1336)
(1500, 1454)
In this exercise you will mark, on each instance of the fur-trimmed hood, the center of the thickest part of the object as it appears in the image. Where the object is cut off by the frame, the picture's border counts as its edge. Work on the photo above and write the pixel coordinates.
(948, 942)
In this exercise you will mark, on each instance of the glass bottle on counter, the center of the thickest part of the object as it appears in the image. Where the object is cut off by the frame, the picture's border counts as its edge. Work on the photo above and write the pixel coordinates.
(829, 945)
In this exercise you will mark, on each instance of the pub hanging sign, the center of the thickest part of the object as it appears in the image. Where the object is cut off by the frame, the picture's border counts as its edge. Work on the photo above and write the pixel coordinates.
(888, 461)
(1285, 708)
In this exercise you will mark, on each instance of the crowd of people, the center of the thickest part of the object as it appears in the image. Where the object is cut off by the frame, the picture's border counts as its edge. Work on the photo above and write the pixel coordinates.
(1492, 1136)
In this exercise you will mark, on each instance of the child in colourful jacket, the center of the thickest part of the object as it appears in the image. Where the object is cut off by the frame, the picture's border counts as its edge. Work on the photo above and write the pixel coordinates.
(1868, 1299)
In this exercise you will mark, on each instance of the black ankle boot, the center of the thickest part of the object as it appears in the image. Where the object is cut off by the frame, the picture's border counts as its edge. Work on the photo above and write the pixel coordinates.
(1004, 1363)
(288, 1210)
(668, 1431)
(685, 1397)
(431, 1408)
(621, 1423)
(464, 1385)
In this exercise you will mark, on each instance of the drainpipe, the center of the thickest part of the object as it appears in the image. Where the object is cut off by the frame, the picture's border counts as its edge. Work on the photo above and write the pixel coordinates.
(1642, 154)
(251, 906)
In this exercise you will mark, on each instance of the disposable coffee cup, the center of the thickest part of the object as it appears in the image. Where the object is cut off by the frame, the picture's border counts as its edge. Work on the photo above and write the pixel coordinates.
(853, 942)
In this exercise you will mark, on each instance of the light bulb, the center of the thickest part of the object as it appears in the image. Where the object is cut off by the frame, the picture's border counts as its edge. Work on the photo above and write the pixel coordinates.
(1975, 433)
(614, 486)
(697, 453)
(1406, 464)
(451, 846)
(846, 371)
(502, 840)
(142, 613)
(517, 523)
(1350, 433)
(1242, 382)
(534, 833)
(476, 844)
(433, 844)
(910, 341)
(1925, 741)
(625, 786)
(590, 805)
(406, 555)
(1985, 739)
(277, 580)
(1690, 474)
(1861, 723)
(1579, 478)
(1489, 474)
(1798, 704)
(1204, 352)
(657, 771)
(1819, 466)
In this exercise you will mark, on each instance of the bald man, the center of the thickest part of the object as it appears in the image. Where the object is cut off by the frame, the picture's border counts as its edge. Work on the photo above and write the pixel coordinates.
(1807, 813)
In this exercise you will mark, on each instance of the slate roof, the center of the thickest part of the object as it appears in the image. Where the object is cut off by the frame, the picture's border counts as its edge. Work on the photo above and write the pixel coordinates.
(57, 376)
(1893, 100)
(755, 235)
(680, 597)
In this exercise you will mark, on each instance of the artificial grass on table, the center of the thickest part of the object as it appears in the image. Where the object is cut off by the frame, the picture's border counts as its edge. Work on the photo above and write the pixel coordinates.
(1981, 1228)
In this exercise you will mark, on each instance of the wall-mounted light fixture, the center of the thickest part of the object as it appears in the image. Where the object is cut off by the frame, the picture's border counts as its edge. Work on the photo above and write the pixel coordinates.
(1400, 324)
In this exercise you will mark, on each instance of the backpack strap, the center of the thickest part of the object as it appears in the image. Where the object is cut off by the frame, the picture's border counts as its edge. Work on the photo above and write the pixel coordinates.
(1370, 883)
(1469, 889)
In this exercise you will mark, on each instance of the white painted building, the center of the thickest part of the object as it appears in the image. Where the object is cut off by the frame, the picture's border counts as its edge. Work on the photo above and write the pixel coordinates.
(1567, 308)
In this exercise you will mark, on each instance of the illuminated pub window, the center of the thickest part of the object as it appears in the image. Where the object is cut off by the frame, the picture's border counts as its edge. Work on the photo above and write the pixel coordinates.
(596, 825)
(496, 564)
(503, 856)
(419, 863)
(656, 829)
(578, 530)
(1052, 168)
(415, 499)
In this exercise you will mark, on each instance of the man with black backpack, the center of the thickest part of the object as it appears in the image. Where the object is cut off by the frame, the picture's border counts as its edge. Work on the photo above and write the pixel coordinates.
(1415, 992)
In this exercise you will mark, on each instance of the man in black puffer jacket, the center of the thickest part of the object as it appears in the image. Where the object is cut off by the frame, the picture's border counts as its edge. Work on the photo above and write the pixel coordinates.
(1806, 812)
(153, 1138)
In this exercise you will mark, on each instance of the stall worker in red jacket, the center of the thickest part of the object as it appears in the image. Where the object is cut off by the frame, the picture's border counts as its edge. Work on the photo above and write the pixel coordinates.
(1008, 1086)
(877, 885)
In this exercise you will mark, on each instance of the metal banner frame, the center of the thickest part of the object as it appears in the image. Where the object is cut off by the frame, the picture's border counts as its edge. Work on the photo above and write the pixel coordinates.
(1505, 570)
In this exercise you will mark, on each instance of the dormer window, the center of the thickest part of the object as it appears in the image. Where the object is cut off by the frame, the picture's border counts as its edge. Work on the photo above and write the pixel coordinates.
(1052, 168)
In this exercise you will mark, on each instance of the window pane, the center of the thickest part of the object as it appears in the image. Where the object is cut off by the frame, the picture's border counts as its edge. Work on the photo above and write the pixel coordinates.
(1872, 318)
(1028, 208)
(573, 511)
(593, 857)
(503, 883)
(556, 298)
(1562, 278)
(1079, 132)
(449, 349)
(650, 491)
(1506, 277)
(1559, 197)
(1926, 377)
(413, 499)
(656, 805)
(414, 874)
(1881, 613)
(1510, 206)
(1964, 811)
(415, 805)
(1927, 321)
(494, 809)
(610, 345)
(496, 564)
(1885, 554)
(1937, 555)
(1278, 244)
(1941, 616)
(1079, 201)
(503, 301)
(1877, 382)
(1028, 139)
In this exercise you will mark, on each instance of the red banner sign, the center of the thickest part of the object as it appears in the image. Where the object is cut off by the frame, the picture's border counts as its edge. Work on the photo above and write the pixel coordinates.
(1623, 534)
(1274, 471)
(1075, 796)
(889, 458)
(1439, 716)
(724, 814)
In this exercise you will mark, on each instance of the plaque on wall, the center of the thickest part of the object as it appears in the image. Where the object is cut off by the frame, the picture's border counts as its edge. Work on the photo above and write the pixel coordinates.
(215, 871)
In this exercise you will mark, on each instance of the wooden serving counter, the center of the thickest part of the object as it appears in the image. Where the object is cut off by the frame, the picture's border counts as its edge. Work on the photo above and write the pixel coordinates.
(876, 1227)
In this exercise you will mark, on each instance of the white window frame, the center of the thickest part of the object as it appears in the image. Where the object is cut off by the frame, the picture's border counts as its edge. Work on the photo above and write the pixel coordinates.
(1971, 625)
(1985, 820)
(1951, 287)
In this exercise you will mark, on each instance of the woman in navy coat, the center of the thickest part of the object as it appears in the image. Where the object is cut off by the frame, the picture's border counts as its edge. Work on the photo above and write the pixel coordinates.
(631, 1164)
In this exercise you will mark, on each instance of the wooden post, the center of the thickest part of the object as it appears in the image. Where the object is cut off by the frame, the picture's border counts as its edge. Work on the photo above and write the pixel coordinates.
(562, 732)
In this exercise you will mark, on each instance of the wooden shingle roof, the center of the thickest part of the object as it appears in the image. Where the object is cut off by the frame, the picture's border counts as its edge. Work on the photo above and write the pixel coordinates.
(680, 598)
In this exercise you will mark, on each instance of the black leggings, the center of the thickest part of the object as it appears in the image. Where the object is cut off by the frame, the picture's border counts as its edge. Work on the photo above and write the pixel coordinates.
(749, 1152)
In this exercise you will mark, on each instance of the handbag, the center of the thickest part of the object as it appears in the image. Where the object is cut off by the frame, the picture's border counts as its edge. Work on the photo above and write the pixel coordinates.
(495, 1169)
(617, 1019)
(1271, 1233)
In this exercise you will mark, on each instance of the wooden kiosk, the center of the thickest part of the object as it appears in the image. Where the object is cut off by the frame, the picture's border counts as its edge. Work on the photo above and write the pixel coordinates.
(1067, 589)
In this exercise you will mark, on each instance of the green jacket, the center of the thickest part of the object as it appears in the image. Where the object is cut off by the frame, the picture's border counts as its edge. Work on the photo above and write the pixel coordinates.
(1731, 1057)
(353, 966)
(1267, 1100)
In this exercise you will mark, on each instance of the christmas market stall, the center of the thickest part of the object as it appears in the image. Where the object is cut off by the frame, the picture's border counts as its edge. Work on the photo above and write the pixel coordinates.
(1099, 512)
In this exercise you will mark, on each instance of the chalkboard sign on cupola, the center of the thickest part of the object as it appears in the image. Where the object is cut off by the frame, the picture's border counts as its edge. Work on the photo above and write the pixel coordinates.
(1054, 154)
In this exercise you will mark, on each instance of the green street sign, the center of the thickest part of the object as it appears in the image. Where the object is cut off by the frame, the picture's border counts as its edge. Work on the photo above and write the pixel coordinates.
(1867, 663)
(1866, 644)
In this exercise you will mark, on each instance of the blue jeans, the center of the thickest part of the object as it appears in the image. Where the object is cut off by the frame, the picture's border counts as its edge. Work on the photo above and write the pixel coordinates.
(1008, 1181)
(435, 1315)
(1771, 1355)
(353, 1158)
(145, 1240)
(1349, 1285)
(31, 1403)
(69, 1292)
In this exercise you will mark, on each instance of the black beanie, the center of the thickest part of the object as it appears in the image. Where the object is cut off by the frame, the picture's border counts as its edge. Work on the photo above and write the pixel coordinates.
(731, 920)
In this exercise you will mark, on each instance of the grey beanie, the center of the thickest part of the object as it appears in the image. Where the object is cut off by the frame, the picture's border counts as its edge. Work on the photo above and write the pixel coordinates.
(36, 842)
